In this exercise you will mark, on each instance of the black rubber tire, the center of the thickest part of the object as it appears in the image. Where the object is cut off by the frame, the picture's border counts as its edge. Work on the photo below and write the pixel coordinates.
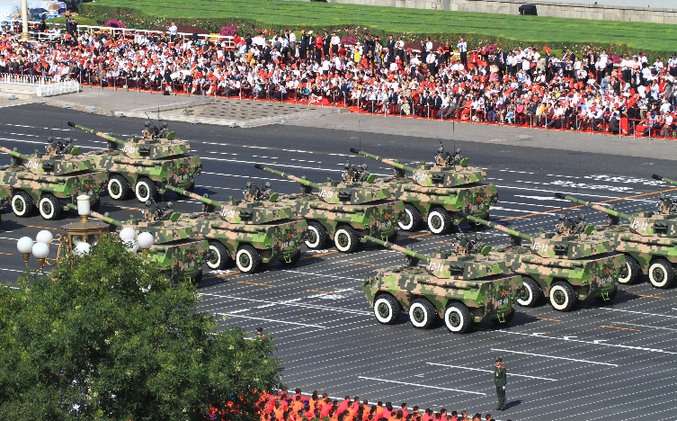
(387, 309)
(392, 237)
(422, 313)
(145, 189)
(563, 297)
(317, 237)
(49, 207)
(531, 291)
(96, 205)
(630, 272)
(118, 188)
(457, 318)
(345, 239)
(22, 204)
(413, 217)
(247, 259)
(439, 221)
(661, 273)
(197, 278)
(218, 257)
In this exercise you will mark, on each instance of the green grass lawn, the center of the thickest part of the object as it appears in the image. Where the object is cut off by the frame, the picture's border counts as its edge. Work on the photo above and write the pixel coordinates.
(525, 29)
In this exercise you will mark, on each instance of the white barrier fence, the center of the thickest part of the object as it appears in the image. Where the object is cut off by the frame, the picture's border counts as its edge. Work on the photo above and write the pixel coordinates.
(42, 86)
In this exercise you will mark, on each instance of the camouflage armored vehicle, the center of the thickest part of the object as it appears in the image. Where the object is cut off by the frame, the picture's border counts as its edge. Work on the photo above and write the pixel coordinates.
(567, 266)
(648, 241)
(438, 193)
(177, 250)
(343, 210)
(51, 180)
(257, 230)
(458, 288)
(5, 194)
(145, 163)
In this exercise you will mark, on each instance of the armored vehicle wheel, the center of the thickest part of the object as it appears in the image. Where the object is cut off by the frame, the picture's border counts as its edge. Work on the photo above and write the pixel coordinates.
(562, 296)
(197, 278)
(145, 190)
(392, 237)
(218, 256)
(412, 219)
(457, 317)
(247, 259)
(386, 309)
(530, 294)
(118, 188)
(49, 207)
(439, 221)
(661, 273)
(97, 204)
(317, 236)
(422, 313)
(345, 239)
(630, 272)
(22, 204)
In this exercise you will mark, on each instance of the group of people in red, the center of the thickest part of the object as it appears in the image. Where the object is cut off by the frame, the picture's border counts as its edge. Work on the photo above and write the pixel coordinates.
(593, 90)
(299, 407)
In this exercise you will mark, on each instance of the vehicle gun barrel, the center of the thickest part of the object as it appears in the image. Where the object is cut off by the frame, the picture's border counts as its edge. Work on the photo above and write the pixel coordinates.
(595, 206)
(291, 177)
(107, 219)
(667, 180)
(386, 161)
(14, 153)
(194, 195)
(389, 245)
(95, 133)
(500, 227)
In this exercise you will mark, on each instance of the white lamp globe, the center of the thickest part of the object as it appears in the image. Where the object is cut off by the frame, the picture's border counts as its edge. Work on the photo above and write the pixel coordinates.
(132, 245)
(146, 240)
(25, 244)
(40, 250)
(127, 234)
(44, 236)
(82, 249)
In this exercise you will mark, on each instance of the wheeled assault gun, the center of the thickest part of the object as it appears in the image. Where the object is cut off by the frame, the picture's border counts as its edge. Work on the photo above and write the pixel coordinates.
(648, 241)
(342, 210)
(458, 288)
(49, 182)
(439, 193)
(257, 230)
(565, 267)
(144, 164)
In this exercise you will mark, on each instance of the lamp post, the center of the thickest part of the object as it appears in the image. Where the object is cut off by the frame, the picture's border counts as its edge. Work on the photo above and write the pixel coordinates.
(81, 235)
(135, 242)
(24, 18)
(38, 248)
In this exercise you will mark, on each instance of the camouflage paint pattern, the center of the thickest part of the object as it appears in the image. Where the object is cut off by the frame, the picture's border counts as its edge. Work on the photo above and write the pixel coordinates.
(587, 262)
(449, 184)
(64, 175)
(160, 159)
(180, 260)
(362, 205)
(483, 282)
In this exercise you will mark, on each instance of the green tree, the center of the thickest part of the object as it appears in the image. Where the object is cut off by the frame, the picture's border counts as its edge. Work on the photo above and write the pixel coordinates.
(105, 336)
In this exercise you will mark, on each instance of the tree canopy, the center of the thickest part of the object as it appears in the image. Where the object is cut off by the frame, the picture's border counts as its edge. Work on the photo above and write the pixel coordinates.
(105, 336)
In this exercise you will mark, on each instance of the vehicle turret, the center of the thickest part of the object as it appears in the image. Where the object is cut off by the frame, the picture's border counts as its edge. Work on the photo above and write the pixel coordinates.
(148, 147)
(515, 236)
(50, 164)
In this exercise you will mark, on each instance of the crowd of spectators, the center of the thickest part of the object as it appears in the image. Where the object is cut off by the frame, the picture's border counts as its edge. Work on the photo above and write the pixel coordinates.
(299, 407)
(597, 91)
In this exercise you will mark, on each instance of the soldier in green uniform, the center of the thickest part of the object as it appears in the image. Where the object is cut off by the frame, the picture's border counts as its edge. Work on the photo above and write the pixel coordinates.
(500, 380)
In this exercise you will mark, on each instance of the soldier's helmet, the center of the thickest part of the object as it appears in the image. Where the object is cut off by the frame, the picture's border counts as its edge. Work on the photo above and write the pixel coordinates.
(666, 205)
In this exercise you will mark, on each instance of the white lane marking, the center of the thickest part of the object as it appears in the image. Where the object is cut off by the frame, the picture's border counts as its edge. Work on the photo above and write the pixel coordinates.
(263, 319)
(505, 202)
(636, 312)
(517, 172)
(577, 193)
(647, 326)
(491, 371)
(599, 342)
(553, 357)
(291, 304)
(321, 274)
(421, 385)
(540, 198)
(277, 165)
(511, 210)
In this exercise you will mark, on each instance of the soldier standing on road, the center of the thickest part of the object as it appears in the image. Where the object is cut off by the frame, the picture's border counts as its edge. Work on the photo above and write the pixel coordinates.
(500, 375)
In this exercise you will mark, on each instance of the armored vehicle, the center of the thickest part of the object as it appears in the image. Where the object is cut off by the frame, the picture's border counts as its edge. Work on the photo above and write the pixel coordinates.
(51, 180)
(177, 248)
(458, 288)
(342, 210)
(257, 230)
(142, 164)
(567, 265)
(5, 194)
(438, 193)
(667, 180)
(648, 241)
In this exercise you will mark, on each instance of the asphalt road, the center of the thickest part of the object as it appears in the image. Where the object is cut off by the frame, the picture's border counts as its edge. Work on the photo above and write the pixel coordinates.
(614, 362)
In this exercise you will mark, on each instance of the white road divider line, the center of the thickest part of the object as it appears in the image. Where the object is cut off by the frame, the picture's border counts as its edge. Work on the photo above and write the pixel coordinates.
(553, 357)
(448, 389)
(636, 312)
(491, 371)
(262, 319)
